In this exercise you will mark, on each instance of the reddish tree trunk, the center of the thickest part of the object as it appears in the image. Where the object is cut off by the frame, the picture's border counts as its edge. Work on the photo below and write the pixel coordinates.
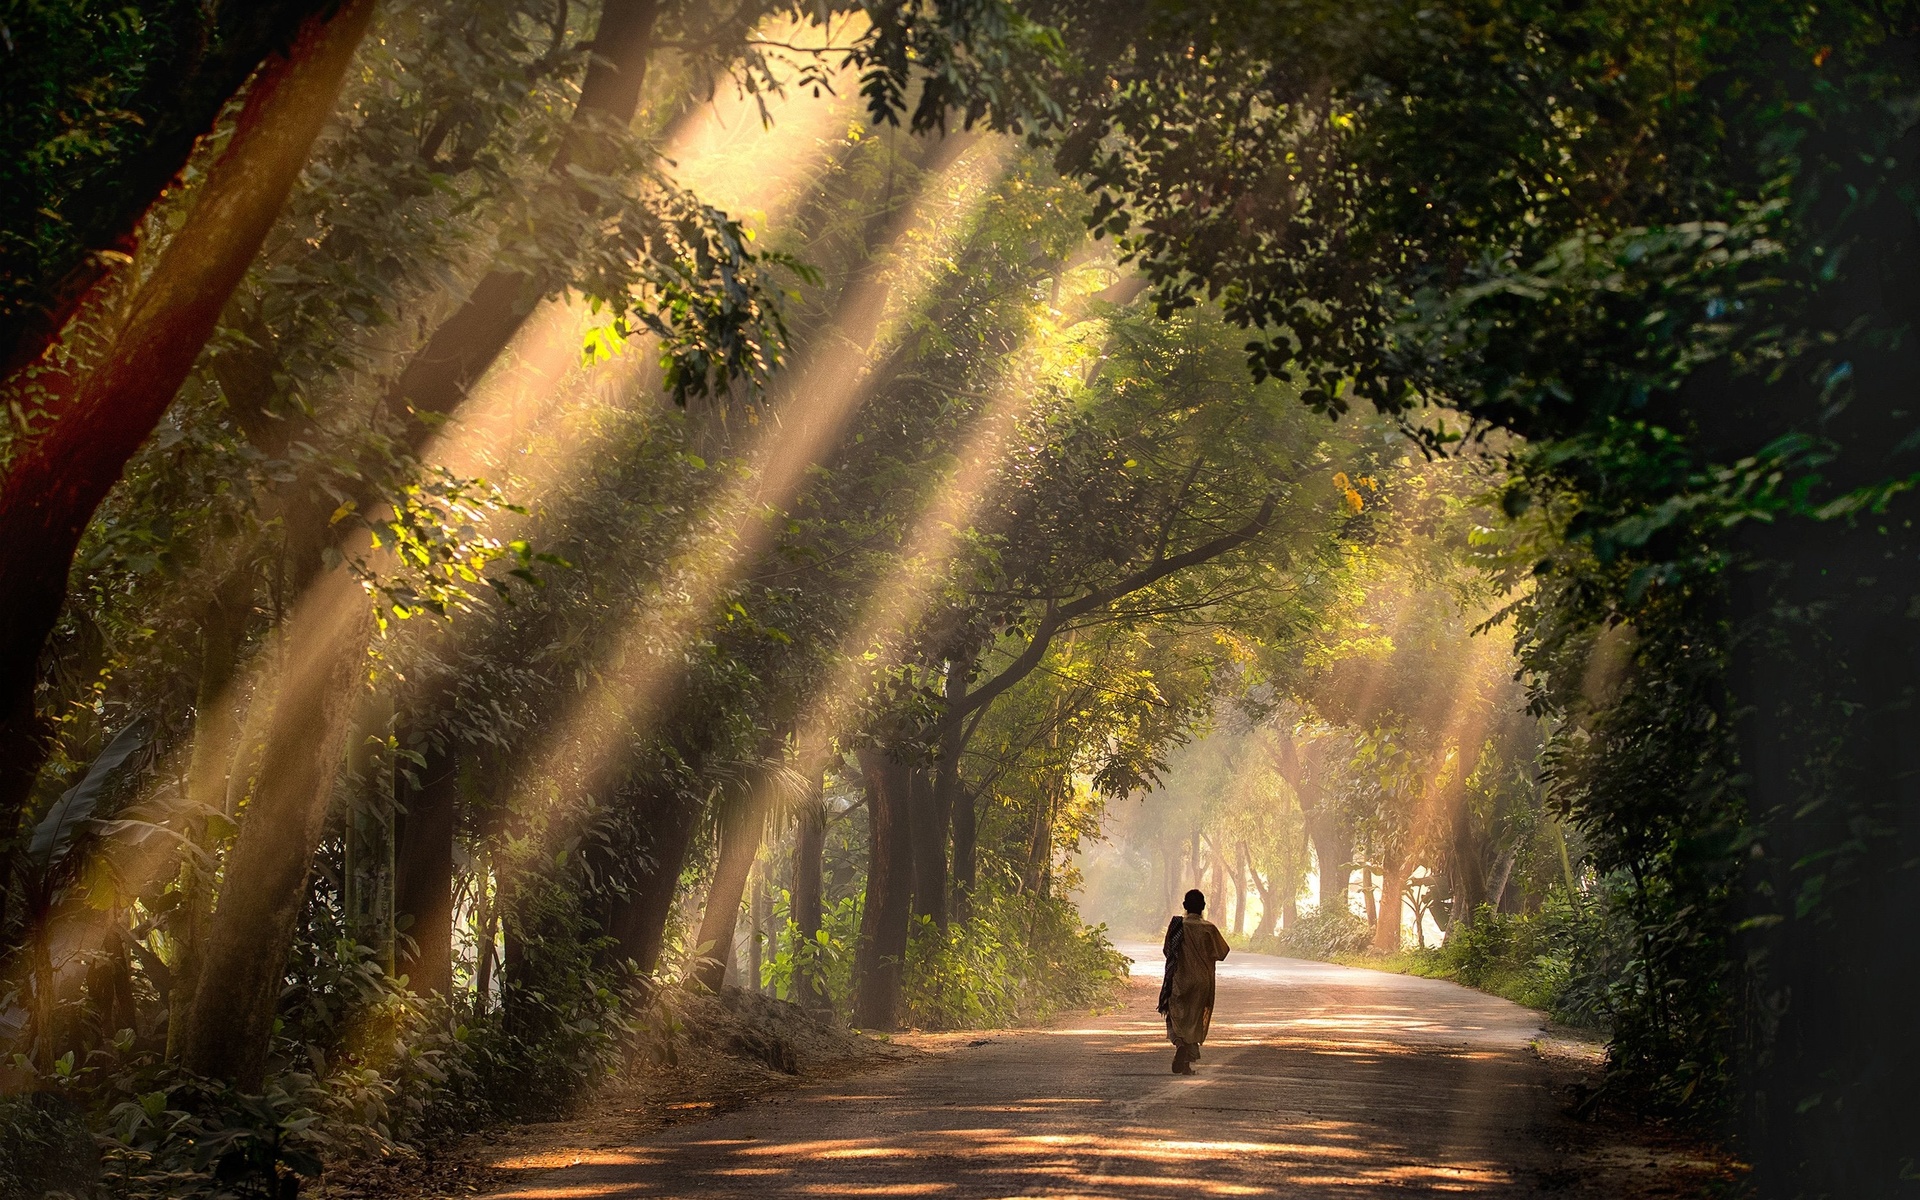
(207, 68)
(57, 478)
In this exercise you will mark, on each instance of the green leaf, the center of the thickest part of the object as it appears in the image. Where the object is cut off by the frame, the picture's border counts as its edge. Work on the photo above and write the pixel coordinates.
(54, 836)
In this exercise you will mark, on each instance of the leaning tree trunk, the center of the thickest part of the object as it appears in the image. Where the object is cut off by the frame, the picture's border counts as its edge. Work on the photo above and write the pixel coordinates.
(639, 920)
(231, 1021)
(740, 832)
(880, 956)
(56, 479)
(187, 90)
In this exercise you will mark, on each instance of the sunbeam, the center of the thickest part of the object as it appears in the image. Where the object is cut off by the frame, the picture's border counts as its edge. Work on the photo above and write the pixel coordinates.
(805, 418)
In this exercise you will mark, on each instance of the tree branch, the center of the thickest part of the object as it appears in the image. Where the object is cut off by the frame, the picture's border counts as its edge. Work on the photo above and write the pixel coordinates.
(1057, 615)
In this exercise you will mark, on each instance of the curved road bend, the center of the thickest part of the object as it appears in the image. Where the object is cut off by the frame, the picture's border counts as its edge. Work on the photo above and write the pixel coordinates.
(1318, 1081)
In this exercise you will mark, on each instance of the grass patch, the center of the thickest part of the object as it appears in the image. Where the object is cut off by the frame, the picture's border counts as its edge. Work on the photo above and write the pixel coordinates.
(1534, 984)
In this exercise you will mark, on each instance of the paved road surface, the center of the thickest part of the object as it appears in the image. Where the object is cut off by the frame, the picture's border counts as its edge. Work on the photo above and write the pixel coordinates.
(1318, 1081)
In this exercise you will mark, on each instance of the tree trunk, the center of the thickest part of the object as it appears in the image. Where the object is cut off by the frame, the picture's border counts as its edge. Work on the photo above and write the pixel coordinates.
(423, 889)
(807, 903)
(929, 834)
(216, 738)
(368, 880)
(1366, 892)
(1290, 897)
(1502, 874)
(1466, 864)
(1034, 877)
(187, 90)
(1332, 840)
(881, 953)
(966, 843)
(55, 480)
(1240, 892)
(1170, 855)
(954, 808)
(231, 1020)
(1393, 889)
(1267, 910)
(741, 829)
(639, 918)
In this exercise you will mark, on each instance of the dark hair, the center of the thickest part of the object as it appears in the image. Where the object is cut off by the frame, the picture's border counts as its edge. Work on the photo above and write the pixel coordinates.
(1196, 901)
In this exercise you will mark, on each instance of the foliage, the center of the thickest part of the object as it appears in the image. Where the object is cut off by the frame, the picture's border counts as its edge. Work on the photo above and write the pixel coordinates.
(1014, 961)
(1321, 934)
(1547, 959)
(45, 1147)
(826, 960)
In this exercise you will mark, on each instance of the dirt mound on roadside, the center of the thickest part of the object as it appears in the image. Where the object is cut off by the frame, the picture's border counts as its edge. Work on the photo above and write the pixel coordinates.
(685, 1028)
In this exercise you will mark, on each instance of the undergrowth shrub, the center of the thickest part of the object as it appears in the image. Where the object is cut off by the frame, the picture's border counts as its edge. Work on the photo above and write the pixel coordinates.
(1321, 934)
(1016, 960)
(360, 1067)
(1571, 963)
(45, 1147)
(826, 959)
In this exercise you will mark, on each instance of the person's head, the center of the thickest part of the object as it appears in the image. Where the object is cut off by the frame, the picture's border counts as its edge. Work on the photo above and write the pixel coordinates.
(1196, 902)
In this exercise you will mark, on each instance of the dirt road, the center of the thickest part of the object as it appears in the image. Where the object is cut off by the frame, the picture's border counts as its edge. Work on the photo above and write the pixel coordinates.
(1318, 1081)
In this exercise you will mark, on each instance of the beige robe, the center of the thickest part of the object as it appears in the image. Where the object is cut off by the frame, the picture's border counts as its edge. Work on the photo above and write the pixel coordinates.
(1190, 1008)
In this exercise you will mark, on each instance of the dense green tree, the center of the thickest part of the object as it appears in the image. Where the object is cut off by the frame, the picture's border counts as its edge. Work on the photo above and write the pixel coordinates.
(1671, 249)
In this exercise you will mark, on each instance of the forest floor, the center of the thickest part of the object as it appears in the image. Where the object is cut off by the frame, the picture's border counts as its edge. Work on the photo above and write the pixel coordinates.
(1318, 1081)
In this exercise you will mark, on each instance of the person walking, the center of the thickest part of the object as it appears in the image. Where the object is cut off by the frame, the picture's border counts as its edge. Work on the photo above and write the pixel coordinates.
(1192, 946)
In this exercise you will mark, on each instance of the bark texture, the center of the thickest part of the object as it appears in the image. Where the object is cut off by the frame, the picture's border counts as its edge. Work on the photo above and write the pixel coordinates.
(423, 887)
(808, 901)
(740, 832)
(882, 948)
(209, 64)
(928, 829)
(639, 919)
